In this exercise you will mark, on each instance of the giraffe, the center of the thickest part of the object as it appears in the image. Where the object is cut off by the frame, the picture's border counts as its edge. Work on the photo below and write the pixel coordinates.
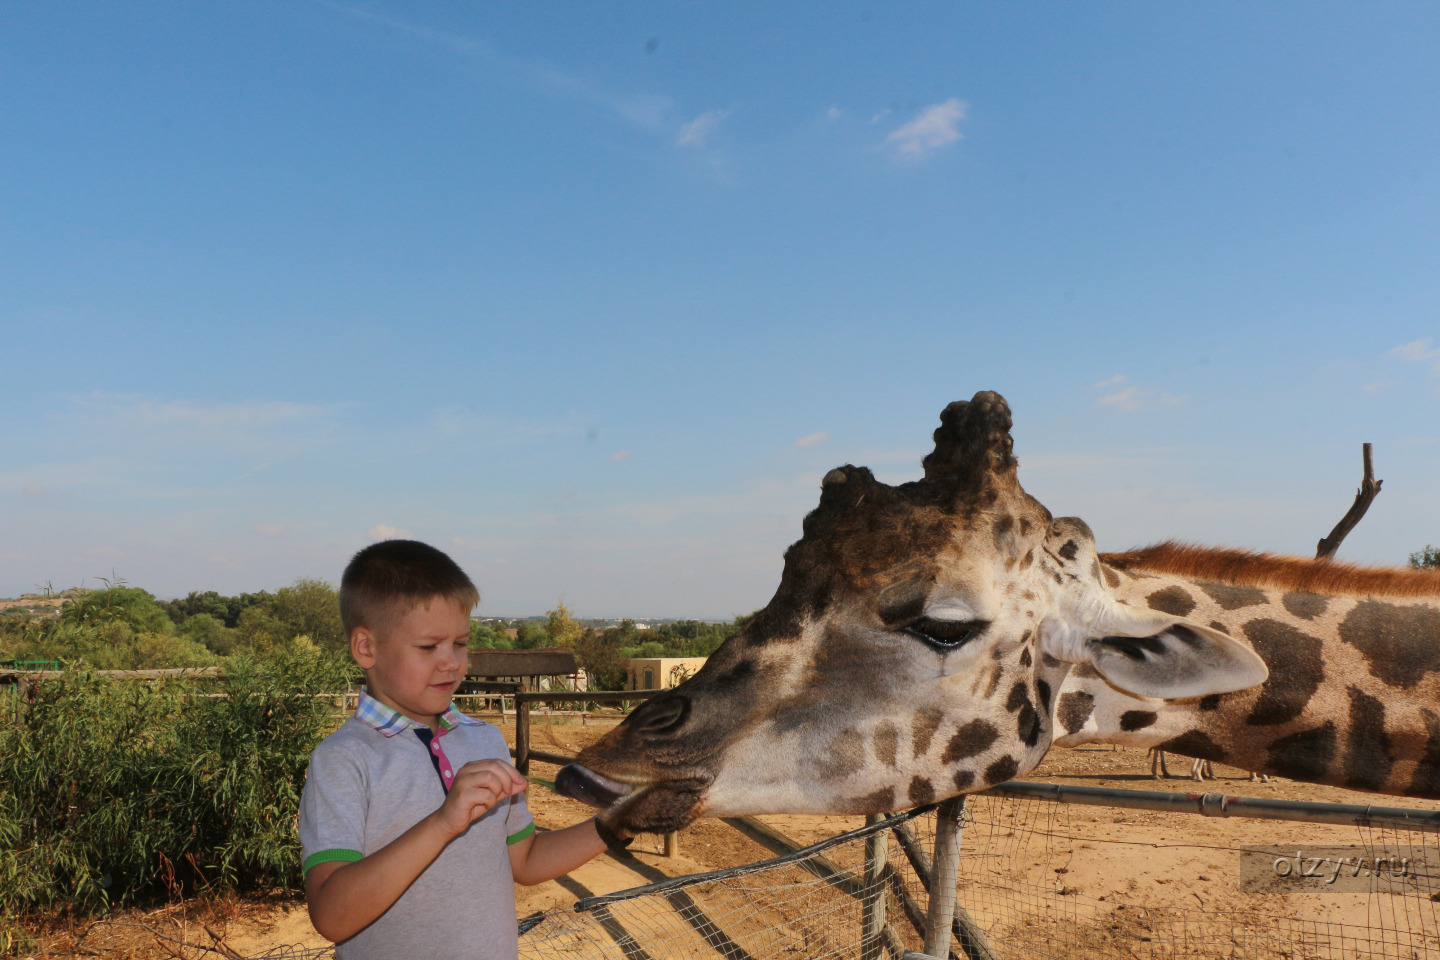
(921, 638)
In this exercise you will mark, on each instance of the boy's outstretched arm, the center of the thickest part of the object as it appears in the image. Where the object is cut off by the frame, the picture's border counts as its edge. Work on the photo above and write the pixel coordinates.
(545, 856)
(345, 898)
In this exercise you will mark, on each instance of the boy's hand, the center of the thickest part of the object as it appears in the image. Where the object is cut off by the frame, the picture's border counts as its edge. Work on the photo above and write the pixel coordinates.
(479, 785)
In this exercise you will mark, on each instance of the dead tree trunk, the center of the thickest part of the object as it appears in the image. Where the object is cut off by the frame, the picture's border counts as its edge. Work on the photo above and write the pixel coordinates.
(1369, 488)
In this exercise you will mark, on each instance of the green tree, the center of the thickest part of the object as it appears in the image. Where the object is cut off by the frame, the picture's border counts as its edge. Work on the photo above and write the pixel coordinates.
(1426, 559)
(310, 607)
(561, 628)
(602, 660)
(531, 636)
(136, 608)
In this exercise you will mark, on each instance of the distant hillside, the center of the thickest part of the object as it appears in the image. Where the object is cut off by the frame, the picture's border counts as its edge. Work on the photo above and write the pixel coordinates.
(41, 605)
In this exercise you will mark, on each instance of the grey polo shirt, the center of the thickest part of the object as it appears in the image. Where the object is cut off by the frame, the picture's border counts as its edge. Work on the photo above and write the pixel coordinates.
(375, 778)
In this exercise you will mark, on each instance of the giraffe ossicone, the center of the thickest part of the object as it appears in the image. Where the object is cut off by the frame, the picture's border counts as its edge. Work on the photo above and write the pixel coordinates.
(930, 639)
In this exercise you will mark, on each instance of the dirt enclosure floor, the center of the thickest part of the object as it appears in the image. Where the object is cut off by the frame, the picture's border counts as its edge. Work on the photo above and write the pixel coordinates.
(1134, 877)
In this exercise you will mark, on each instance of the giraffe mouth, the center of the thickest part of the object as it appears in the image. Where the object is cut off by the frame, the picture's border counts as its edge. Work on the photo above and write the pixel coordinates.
(657, 806)
(590, 788)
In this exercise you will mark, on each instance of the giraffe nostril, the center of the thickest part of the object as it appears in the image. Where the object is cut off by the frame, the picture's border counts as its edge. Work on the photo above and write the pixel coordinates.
(661, 715)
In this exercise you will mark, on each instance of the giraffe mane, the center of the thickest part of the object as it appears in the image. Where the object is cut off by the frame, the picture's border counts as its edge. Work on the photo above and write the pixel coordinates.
(1257, 569)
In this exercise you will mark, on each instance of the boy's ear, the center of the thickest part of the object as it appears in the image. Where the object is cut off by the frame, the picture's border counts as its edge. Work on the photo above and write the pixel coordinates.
(362, 647)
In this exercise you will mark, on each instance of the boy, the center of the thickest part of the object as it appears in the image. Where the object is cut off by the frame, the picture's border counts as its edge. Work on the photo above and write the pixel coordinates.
(413, 823)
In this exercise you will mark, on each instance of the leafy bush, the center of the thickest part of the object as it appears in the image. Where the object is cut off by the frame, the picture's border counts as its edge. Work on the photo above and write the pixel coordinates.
(117, 791)
(1428, 558)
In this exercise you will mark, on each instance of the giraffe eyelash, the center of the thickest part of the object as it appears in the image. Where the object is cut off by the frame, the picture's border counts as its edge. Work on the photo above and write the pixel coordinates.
(944, 635)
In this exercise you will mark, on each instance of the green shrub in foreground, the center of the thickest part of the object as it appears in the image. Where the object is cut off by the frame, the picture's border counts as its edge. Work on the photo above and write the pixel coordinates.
(113, 791)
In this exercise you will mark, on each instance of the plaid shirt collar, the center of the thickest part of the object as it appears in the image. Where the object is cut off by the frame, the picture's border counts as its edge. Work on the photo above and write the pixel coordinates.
(390, 722)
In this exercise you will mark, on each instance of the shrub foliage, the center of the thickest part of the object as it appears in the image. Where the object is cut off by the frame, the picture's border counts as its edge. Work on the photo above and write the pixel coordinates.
(117, 791)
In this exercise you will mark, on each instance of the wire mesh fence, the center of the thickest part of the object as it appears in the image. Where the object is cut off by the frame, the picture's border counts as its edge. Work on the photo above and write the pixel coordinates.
(1370, 892)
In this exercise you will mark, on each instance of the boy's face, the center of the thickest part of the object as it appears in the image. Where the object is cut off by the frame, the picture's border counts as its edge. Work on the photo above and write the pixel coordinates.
(414, 662)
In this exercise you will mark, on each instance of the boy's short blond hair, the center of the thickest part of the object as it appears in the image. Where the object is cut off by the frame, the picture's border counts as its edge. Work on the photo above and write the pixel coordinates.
(388, 579)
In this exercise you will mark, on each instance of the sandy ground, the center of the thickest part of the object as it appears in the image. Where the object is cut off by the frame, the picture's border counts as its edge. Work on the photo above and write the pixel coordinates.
(1106, 859)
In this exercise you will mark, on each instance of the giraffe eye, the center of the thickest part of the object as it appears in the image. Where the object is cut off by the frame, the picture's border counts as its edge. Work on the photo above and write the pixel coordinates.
(944, 634)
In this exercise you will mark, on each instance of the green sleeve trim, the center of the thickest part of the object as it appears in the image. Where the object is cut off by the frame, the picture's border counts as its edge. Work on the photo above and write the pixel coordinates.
(515, 838)
(330, 856)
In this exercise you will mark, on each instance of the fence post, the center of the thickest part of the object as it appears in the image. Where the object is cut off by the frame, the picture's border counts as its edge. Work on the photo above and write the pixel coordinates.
(873, 908)
(945, 876)
(522, 734)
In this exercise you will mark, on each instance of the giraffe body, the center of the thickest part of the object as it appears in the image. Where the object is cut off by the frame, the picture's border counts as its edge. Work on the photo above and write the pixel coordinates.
(933, 638)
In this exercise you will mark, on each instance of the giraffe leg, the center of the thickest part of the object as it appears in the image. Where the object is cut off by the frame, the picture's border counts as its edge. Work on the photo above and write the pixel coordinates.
(1262, 777)
(1202, 770)
(1157, 764)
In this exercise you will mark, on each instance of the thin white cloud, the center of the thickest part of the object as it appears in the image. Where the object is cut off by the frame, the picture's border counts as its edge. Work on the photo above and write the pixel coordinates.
(385, 531)
(811, 439)
(1419, 351)
(641, 109)
(834, 113)
(1136, 397)
(34, 490)
(880, 116)
(141, 412)
(697, 132)
(933, 128)
(1114, 381)
(268, 529)
(620, 455)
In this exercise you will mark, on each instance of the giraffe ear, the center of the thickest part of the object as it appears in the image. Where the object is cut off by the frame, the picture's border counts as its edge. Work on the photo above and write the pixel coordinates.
(1168, 658)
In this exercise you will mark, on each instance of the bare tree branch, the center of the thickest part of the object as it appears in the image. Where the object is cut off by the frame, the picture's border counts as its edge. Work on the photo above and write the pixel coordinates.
(1369, 488)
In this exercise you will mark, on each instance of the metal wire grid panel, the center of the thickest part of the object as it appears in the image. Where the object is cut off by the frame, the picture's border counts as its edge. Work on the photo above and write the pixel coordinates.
(1014, 901)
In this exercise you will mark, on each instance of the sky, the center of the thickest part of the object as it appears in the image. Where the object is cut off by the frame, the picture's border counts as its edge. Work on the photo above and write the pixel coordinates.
(591, 296)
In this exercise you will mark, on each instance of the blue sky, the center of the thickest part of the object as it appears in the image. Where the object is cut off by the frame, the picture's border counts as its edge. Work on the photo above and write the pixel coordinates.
(592, 295)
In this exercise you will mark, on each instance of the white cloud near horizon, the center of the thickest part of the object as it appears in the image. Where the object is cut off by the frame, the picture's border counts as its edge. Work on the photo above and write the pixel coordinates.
(811, 439)
(932, 128)
(620, 455)
(384, 531)
(1134, 397)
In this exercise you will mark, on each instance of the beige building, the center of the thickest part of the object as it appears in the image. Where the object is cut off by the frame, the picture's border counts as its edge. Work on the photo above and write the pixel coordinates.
(661, 673)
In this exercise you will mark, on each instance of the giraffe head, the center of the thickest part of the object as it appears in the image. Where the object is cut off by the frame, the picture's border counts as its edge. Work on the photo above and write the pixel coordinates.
(911, 652)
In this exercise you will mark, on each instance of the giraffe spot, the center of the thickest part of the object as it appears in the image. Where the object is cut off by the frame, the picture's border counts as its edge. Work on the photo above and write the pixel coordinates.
(992, 683)
(1426, 781)
(842, 756)
(1058, 578)
(1217, 625)
(1171, 600)
(1025, 658)
(1002, 529)
(1111, 577)
(1137, 719)
(1211, 702)
(1086, 671)
(922, 730)
(1027, 722)
(1367, 745)
(1042, 690)
(1306, 606)
(1296, 671)
(885, 741)
(1305, 754)
(1069, 550)
(921, 792)
(1194, 743)
(1048, 660)
(1233, 598)
(1398, 641)
(1029, 560)
(973, 738)
(963, 779)
(1018, 697)
(1075, 709)
(881, 801)
(1001, 770)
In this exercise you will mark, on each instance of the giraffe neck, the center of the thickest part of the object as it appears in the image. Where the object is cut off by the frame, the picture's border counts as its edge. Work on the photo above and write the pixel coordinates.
(1353, 696)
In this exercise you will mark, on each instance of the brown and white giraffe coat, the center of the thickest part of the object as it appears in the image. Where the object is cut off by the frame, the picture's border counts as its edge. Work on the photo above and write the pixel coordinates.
(1353, 696)
(913, 650)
